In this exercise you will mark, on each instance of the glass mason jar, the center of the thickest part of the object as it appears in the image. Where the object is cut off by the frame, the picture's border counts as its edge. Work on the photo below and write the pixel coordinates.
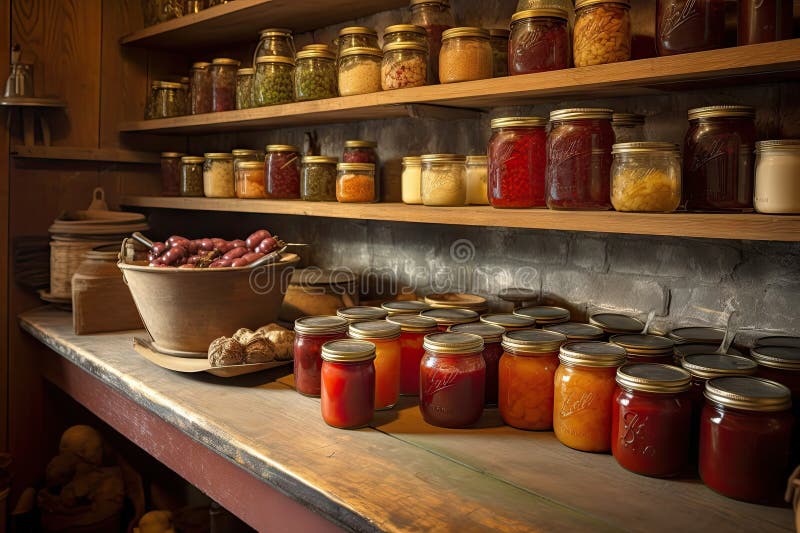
(584, 393)
(646, 177)
(509, 321)
(274, 81)
(443, 179)
(718, 158)
(477, 180)
(283, 171)
(192, 175)
(628, 127)
(223, 83)
(781, 364)
(361, 313)
(250, 179)
(360, 151)
(498, 39)
(435, 16)
(405, 64)
(241, 155)
(185, 103)
(448, 317)
(200, 89)
(318, 183)
(245, 81)
(171, 173)
(517, 162)
(310, 334)
(413, 330)
(360, 71)
(404, 307)
(165, 100)
(412, 180)
(644, 348)
(195, 6)
(315, 75)
(403, 33)
(763, 21)
(466, 55)
(347, 392)
(492, 350)
(689, 26)
(745, 436)
(386, 338)
(602, 32)
(274, 42)
(539, 41)
(544, 315)
(651, 417)
(576, 331)
(355, 183)
(617, 323)
(355, 37)
(777, 187)
(526, 378)
(579, 159)
(218, 179)
(452, 380)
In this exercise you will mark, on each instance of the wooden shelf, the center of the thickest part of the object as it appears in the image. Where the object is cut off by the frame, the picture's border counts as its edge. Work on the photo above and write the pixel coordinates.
(749, 226)
(240, 21)
(110, 155)
(760, 63)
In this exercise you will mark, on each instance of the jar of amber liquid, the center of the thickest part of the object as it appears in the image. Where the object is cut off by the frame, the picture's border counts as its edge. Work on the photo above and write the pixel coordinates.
(310, 334)
(602, 32)
(689, 26)
(584, 392)
(526, 378)
(347, 394)
(651, 417)
(412, 333)
(386, 338)
(492, 350)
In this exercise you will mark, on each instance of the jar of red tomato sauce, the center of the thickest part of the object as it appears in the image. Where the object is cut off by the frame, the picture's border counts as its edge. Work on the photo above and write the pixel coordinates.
(450, 316)
(643, 348)
(539, 41)
(492, 335)
(651, 417)
(412, 333)
(347, 397)
(310, 334)
(517, 161)
(579, 159)
(386, 338)
(745, 435)
(283, 171)
(452, 379)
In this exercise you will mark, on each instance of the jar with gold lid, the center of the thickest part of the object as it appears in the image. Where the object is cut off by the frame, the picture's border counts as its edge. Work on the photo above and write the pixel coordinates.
(539, 41)
(643, 348)
(171, 173)
(411, 180)
(443, 180)
(447, 317)
(361, 313)
(684, 26)
(355, 183)
(413, 329)
(218, 179)
(318, 182)
(460, 300)
(311, 333)
(508, 321)
(283, 164)
(777, 181)
(200, 88)
(466, 55)
(192, 175)
(544, 314)
(274, 42)
(250, 179)
(244, 87)
(616, 323)
(405, 64)
(402, 33)
(517, 162)
(355, 37)
(646, 177)
(492, 351)
(347, 377)
(435, 17)
(404, 307)
(223, 83)
(315, 75)
(576, 331)
(602, 32)
(246, 154)
(386, 338)
(165, 100)
(360, 71)
(697, 334)
(274, 81)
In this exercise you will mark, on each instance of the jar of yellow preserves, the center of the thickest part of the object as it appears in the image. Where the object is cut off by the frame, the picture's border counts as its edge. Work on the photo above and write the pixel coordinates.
(602, 32)
(646, 177)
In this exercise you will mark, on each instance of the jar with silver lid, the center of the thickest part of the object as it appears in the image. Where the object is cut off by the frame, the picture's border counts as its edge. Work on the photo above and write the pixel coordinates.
(777, 181)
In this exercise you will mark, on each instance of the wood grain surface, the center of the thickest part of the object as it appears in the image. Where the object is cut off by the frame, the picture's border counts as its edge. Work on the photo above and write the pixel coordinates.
(5, 270)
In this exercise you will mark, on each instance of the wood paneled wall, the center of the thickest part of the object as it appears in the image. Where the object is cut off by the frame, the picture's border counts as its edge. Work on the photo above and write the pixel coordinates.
(5, 29)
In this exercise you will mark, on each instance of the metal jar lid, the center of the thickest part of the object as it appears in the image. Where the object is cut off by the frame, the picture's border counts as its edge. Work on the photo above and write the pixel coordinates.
(218, 155)
(224, 61)
(170, 155)
(650, 147)
(459, 300)
(580, 4)
(407, 28)
(320, 325)
(357, 30)
(413, 3)
(448, 316)
(165, 85)
(405, 45)
(443, 158)
(509, 321)
(274, 32)
(244, 152)
(316, 46)
(413, 323)
(626, 119)
(581, 113)
(518, 122)
(247, 71)
(316, 54)
(477, 160)
(779, 340)
(518, 294)
(358, 143)
(592, 353)
(575, 331)
(684, 350)
(465, 31)
(712, 365)
(362, 51)
(453, 343)
(640, 344)
(200, 65)
(553, 12)
(781, 357)
(616, 323)
(648, 377)
(282, 148)
(778, 145)
(348, 351)
(748, 393)
(320, 159)
(364, 167)
(545, 314)
(374, 329)
(274, 59)
(490, 333)
(414, 160)
(192, 159)
(361, 313)
(250, 165)
(698, 334)
(400, 307)
(722, 111)
(532, 341)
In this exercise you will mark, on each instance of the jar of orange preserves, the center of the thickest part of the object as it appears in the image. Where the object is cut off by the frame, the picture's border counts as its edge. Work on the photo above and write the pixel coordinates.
(527, 370)
(584, 392)
(386, 338)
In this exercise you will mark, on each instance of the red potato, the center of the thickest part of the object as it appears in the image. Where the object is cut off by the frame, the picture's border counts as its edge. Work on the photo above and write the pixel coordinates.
(158, 248)
(221, 263)
(255, 238)
(253, 256)
(239, 243)
(206, 244)
(267, 245)
(236, 253)
(240, 262)
(176, 239)
(172, 255)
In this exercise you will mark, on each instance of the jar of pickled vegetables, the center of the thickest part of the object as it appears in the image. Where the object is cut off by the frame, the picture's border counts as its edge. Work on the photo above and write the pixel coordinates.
(413, 330)
(283, 171)
(361, 313)
(218, 181)
(616, 323)
(579, 159)
(165, 100)
(576, 331)
(466, 55)
(400, 33)
(643, 348)
(274, 42)
(544, 315)
(498, 39)
(447, 317)
(245, 80)
(274, 81)
(412, 180)
(347, 394)
(200, 89)
(356, 37)
(444, 181)
(319, 179)
(745, 436)
(777, 189)
(404, 307)
(386, 338)
(628, 127)
(405, 64)
(763, 21)
(646, 177)
(171, 173)
(517, 162)
(491, 335)
(539, 41)
(250, 180)
(355, 183)
(584, 392)
(223, 83)
(689, 26)
(526, 378)
(602, 32)
(718, 158)
(315, 75)
(436, 17)
(310, 334)
(192, 175)
(651, 417)
(360, 71)
(452, 380)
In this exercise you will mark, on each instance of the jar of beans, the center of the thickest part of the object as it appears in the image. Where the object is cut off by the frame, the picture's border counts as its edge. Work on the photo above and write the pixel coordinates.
(602, 32)
(283, 171)
(274, 81)
(244, 88)
(355, 183)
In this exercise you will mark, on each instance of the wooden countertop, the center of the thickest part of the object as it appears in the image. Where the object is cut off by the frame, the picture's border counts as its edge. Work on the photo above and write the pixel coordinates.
(400, 474)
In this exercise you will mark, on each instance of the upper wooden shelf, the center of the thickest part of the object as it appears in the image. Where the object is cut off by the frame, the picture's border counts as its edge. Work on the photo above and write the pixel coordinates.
(241, 20)
(749, 226)
(106, 155)
(768, 62)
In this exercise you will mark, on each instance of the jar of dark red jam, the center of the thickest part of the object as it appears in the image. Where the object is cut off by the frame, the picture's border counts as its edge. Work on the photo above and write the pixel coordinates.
(526, 378)
(579, 159)
(361, 313)
(544, 315)
(616, 323)
(347, 398)
(651, 417)
(509, 321)
(310, 334)
(412, 333)
(763, 21)
(283, 171)
(646, 348)
(452, 380)
(718, 158)
(745, 435)
(491, 335)
(446, 317)
(539, 41)
(358, 151)
(405, 307)
(517, 161)
(782, 364)
(576, 331)
(689, 26)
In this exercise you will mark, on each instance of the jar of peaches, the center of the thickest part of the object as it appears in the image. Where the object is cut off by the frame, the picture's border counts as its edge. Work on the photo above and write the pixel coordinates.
(413, 329)
(386, 338)
(584, 392)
